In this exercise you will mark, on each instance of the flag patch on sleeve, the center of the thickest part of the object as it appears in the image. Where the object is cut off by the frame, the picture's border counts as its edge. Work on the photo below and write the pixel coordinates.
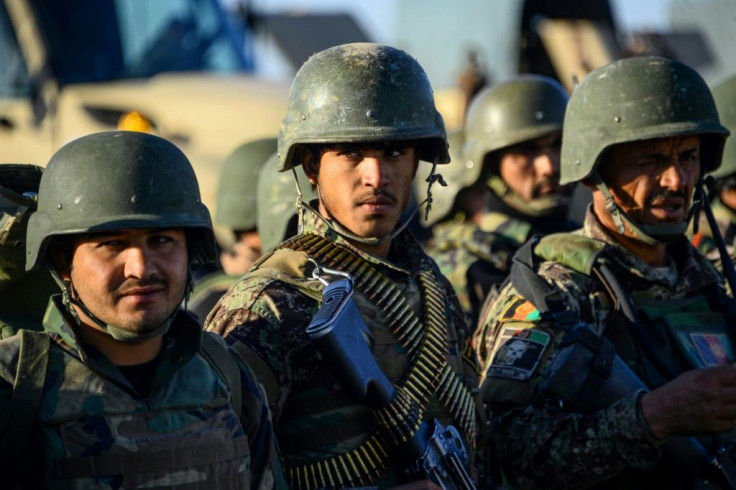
(521, 310)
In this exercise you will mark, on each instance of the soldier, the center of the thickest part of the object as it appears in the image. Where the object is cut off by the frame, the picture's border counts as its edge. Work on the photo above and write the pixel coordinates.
(724, 191)
(640, 133)
(236, 210)
(122, 389)
(360, 118)
(505, 182)
(23, 295)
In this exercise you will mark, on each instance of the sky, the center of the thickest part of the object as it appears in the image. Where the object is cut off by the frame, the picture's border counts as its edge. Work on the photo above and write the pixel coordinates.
(440, 32)
(378, 17)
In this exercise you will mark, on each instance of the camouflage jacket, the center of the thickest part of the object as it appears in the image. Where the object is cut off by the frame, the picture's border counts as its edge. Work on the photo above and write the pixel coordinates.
(267, 313)
(474, 258)
(540, 444)
(94, 430)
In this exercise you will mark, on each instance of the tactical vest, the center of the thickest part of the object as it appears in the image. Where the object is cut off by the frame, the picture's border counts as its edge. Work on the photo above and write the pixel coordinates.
(658, 339)
(326, 438)
(97, 435)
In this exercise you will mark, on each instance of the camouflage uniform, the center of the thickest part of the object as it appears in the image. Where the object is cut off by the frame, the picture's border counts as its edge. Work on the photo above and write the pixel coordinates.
(537, 442)
(462, 251)
(499, 118)
(267, 313)
(186, 416)
(193, 416)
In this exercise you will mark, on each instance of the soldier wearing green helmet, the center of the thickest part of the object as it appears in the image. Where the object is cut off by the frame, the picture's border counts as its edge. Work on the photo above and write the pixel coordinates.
(503, 185)
(23, 295)
(723, 193)
(122, 388)
(236, 211)
(610, 349)
(360, 119)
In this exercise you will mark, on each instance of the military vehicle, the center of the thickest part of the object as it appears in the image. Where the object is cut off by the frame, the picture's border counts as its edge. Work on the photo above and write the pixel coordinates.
(74, 67)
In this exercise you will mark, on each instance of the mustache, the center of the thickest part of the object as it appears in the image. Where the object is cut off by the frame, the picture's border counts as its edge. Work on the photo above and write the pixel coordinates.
(372, 197)
(666, 194)
(131, 285)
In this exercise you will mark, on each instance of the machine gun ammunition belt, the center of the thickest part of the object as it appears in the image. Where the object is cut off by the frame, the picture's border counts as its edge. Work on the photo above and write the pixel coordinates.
(355, 468)
(430, 372)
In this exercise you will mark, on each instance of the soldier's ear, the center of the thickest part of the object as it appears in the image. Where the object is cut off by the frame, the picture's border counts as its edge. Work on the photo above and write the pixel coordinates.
(310, 164)
(60, 254)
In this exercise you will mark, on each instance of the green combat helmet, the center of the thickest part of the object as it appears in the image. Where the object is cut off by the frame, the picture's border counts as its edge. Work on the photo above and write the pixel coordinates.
(518, 110)
(236, 193)
(637, 99)
(276, 195)
(725, 97)
(362, 93)
(118, 180)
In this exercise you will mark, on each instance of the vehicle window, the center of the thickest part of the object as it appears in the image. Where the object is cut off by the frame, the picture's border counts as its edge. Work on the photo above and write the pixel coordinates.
(14, 80)
(118, 39)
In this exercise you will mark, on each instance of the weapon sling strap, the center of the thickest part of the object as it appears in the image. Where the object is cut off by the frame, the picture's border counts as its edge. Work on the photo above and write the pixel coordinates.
(26, 398)
(217, 356)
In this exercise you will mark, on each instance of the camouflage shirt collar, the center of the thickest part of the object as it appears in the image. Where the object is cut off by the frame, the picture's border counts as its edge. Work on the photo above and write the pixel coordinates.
(693, 268)
(180, 344)
(405, 256)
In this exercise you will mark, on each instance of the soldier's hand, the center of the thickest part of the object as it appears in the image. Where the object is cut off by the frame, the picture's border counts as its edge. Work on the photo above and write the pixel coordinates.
(418, 485)
(701, 401)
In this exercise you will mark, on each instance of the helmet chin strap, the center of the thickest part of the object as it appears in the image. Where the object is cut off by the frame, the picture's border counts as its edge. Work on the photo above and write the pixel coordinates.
(650, 234)
(70, 298)
(539, 207)
(344, 232)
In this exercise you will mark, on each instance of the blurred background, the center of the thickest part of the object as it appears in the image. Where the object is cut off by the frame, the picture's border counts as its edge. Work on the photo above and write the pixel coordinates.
(210, 75)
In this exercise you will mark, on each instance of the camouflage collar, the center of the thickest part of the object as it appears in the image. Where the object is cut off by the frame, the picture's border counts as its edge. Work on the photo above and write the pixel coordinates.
(180, 344)
(693, 267)
(405, 256)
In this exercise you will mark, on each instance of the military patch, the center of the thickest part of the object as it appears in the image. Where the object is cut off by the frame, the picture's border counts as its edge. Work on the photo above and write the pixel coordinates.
(713, 349)
(702, 337)
(520, 353)
(522, 310)
(471, 358)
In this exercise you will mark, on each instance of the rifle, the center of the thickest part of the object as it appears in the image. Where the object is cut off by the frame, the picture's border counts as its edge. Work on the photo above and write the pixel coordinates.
(587, 375)
(421, 450)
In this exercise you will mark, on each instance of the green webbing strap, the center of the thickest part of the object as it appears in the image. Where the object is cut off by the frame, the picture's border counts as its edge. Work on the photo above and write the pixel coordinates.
(33, 361)
(131, 463)
(217, 355)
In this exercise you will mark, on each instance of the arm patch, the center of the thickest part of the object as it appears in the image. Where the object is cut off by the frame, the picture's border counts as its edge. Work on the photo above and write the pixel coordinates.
(520, 310)
(519, 354)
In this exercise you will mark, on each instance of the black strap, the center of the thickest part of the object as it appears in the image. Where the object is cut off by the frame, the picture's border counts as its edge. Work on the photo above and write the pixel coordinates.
(546, 299)
(217, 355)
(533, 288)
